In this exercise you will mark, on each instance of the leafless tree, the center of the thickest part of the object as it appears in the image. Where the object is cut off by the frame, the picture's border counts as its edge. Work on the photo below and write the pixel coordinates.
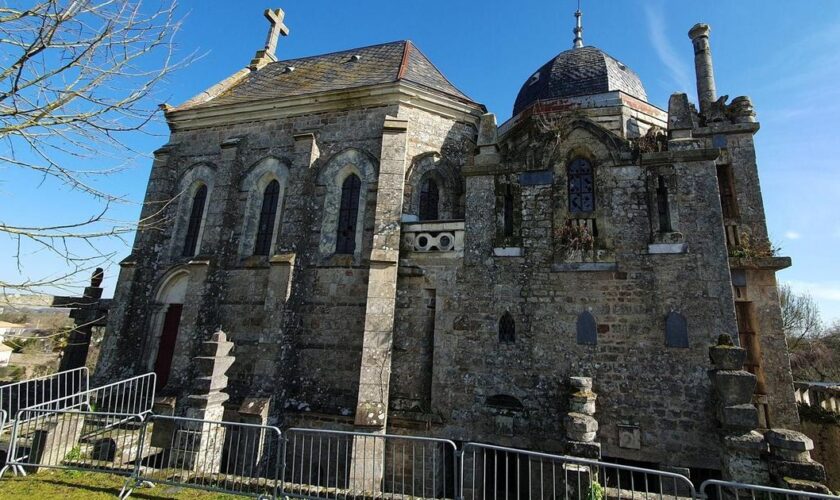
(77, 78)
(800, 317)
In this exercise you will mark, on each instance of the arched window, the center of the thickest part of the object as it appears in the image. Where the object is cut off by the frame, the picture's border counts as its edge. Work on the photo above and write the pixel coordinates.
(587, 329)
(507, 329)
(429, 200)
(268, 218)
(662, 206)
(346, 231)
(581, 186)
(508, 211)
(196, 217)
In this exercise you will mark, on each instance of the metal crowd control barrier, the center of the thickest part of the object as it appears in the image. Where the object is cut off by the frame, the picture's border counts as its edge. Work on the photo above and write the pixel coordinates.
(59, 390)
(332, 464)
(499, 473)
(730, 490)
(74, 439)
(224, 457)
(135, 395)
(130, 398)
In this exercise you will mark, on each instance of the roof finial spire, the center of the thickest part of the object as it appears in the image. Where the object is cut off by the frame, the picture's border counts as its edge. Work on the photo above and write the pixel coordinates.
(578, 31)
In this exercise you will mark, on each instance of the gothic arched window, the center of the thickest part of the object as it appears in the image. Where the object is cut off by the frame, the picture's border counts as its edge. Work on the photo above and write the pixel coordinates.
(429, 200)
(268, 218)
(196, 217)
(346, 232)
(581, 186)
(507, 329)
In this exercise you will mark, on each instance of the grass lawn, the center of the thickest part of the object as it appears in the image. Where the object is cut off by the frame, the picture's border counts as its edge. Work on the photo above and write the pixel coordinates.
(72, 485)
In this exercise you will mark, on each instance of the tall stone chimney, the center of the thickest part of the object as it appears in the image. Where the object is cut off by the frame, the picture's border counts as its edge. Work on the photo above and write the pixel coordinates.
(706, 91)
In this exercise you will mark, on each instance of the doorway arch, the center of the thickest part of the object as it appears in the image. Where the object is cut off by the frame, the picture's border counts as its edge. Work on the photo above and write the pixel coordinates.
(166, 321)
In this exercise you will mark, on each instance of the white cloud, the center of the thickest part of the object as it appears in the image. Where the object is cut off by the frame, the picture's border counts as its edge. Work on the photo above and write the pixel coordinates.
(792, 235)
(678, 70)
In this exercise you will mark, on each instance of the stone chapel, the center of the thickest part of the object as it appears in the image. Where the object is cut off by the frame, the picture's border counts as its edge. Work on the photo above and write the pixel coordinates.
(384, 256)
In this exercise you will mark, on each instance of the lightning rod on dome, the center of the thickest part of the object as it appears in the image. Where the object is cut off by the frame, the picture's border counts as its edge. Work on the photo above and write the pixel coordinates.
(578, 31)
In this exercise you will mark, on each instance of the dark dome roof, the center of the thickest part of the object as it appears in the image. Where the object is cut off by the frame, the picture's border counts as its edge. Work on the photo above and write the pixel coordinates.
(577, 72)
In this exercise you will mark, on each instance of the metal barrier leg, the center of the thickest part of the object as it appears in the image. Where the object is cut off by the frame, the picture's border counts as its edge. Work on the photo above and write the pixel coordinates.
(125, 492)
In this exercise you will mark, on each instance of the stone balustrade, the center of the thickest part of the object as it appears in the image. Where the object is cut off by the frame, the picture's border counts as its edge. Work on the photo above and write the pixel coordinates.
(440, 237)
(818, 395)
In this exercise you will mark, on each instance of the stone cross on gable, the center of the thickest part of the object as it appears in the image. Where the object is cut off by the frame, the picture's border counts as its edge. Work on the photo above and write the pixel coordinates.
(268, 53)
(275, 17)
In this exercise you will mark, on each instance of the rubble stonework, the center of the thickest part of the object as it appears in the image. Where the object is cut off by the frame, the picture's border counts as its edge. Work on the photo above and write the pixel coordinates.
(593, 234)
(745, 457)
(580, 423)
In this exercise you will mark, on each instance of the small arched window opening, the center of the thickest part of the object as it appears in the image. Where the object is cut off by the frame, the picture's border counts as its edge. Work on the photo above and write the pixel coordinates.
(507, 329)
(676, 330)
(581, 186)
(196, 217)
(663, 208)
(346, 231)
(505, 402)
(587, 329)
(508, 211)
(268, 218)
(429, 200)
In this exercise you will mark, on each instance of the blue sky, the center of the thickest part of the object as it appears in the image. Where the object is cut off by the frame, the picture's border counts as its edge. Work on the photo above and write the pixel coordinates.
(785, 55)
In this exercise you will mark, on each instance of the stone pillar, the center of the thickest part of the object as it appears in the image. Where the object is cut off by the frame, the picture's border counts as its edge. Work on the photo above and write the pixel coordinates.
(198, 446)
(374, 379)
(87, 311)
(248, 444)
(581, 426)
(706, 91)
(163, 430)
(733, 389)
(54, 441)
(791, 465)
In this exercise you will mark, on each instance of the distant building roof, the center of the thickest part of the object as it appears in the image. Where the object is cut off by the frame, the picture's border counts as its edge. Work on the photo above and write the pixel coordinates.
(361, 67)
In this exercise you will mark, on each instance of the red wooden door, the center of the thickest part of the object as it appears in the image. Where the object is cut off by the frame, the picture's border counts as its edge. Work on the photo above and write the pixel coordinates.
(166, 349)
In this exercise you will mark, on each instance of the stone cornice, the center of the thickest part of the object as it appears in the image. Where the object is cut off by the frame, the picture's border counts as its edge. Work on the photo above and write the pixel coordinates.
(400, 93)
(679, 156)
(727, 128)
(761, 263)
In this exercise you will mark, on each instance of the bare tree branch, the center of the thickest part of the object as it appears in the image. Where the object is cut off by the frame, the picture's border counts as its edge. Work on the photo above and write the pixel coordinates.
(77, 78)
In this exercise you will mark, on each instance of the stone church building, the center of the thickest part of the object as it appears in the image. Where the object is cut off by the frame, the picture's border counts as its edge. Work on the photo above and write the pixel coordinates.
(386, 257)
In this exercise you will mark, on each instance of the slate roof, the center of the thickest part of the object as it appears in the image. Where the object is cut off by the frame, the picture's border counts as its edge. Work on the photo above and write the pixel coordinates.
(375, 65)
(578, 72)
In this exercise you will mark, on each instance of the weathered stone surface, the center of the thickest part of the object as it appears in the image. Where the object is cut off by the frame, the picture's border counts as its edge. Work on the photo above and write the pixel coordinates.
(805, 471)
(733, 387)
(583, 402)
(789, 440)
(582, 384)
(580, 427)
(727, 357)
(740, 417)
